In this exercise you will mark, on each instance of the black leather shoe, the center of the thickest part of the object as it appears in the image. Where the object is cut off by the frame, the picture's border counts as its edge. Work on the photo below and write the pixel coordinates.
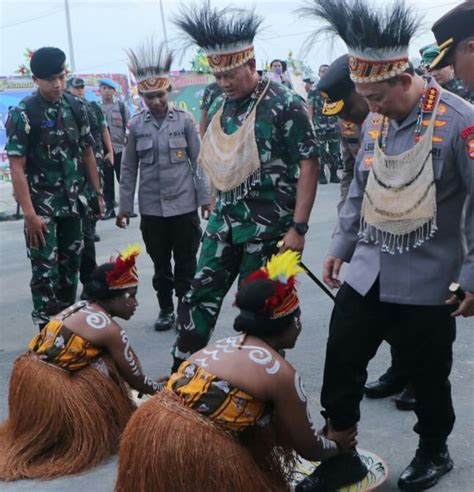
(133, 215)
(166, 320)
(406, 399)
(322, 179)
(109, 214)
(425, 470)
(334, 473)
(386, 385)
(96, 238)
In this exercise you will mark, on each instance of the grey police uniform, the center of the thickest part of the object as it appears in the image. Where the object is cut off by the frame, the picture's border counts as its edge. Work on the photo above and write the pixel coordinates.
(404, 294)
(170, 190)
(117, 122)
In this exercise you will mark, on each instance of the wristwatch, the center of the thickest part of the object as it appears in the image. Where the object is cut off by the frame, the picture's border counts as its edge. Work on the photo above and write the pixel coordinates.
(300, 227)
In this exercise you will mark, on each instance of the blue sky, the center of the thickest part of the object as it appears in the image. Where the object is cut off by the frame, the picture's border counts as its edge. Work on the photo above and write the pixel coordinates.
(103, 28)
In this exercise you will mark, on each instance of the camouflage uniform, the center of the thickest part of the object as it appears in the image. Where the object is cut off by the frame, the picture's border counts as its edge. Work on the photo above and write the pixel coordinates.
(53, 146)
(456, 87)
(241, 236)
(327, 135)
(211, 93)
(97, 122)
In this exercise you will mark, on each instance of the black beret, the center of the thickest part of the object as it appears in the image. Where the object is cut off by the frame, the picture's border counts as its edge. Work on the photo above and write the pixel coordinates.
(451, 29)
(47, 62)
(336, 85)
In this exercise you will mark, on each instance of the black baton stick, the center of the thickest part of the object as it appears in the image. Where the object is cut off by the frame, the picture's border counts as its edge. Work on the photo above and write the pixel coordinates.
(318, 282)
(313, 277)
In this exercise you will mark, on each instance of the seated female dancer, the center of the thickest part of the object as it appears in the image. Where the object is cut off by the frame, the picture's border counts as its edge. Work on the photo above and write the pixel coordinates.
(233, 415)
(68, 400)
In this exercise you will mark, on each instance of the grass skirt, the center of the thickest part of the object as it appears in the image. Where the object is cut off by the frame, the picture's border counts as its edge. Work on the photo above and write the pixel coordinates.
(61, 423)
(167, 446)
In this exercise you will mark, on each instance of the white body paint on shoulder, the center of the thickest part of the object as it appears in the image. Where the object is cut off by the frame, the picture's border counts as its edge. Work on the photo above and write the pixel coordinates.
(258, 355)
(95, 319)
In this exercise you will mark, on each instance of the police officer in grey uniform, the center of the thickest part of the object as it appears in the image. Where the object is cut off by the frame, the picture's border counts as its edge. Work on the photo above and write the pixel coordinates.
(342, 99)
(397, 229)
(163, 144)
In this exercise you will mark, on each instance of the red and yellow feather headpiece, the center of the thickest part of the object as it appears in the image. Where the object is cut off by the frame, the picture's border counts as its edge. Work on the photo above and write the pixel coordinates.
(282, 269)
(124, 275)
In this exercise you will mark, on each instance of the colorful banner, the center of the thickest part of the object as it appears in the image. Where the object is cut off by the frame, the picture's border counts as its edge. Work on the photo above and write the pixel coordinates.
(187, 91)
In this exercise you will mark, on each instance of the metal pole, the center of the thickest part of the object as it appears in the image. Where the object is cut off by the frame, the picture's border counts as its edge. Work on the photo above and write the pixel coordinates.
(163, 23)
(69, 37)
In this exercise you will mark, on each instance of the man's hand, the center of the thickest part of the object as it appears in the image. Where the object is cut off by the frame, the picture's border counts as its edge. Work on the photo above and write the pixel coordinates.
(35, 231)
(292, 240)
(123, 220)
(331, 269)
(109, 159)
(466, 306)
(205, 211)
(346, 440)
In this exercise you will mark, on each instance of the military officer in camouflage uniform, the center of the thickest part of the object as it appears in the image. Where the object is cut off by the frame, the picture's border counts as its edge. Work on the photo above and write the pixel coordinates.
(50, 149)
(211, 92)
(257, 208)
(327, 134)
(444, 75)
(164, 145)
(101, 135)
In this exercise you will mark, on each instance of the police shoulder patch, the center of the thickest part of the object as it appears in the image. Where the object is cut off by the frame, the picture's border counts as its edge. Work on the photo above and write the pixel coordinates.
(467, 131)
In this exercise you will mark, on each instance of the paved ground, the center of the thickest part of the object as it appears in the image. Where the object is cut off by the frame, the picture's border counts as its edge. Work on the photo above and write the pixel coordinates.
(383, 429)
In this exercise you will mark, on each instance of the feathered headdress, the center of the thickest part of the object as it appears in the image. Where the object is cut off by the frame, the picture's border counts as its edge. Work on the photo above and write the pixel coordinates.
(282, 269)
(124, 275)
(150, 64)
(377, 40)
(226, 35)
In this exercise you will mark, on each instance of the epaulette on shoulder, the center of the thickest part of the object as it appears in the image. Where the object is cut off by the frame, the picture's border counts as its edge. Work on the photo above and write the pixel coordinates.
(137, 114)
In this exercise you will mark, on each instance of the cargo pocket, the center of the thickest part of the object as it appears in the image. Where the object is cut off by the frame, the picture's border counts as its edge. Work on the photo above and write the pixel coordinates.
(144, 149)
(178, 150)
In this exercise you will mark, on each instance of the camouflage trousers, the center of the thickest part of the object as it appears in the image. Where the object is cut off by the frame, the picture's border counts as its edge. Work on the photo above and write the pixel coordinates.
(218, 266)
(55, 267)
(329, 148)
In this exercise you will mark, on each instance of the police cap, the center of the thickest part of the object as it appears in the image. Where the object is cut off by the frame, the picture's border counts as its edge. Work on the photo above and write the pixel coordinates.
(336, 86)
(450, 30)
(47, 62)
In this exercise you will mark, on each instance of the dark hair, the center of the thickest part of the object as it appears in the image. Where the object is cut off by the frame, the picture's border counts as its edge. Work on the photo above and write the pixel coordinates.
(252, 318)
(97, 289)
(284, 66)
(394, 80)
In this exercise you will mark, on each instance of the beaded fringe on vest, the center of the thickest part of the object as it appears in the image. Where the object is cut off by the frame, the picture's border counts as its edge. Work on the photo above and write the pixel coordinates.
(399, 205)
